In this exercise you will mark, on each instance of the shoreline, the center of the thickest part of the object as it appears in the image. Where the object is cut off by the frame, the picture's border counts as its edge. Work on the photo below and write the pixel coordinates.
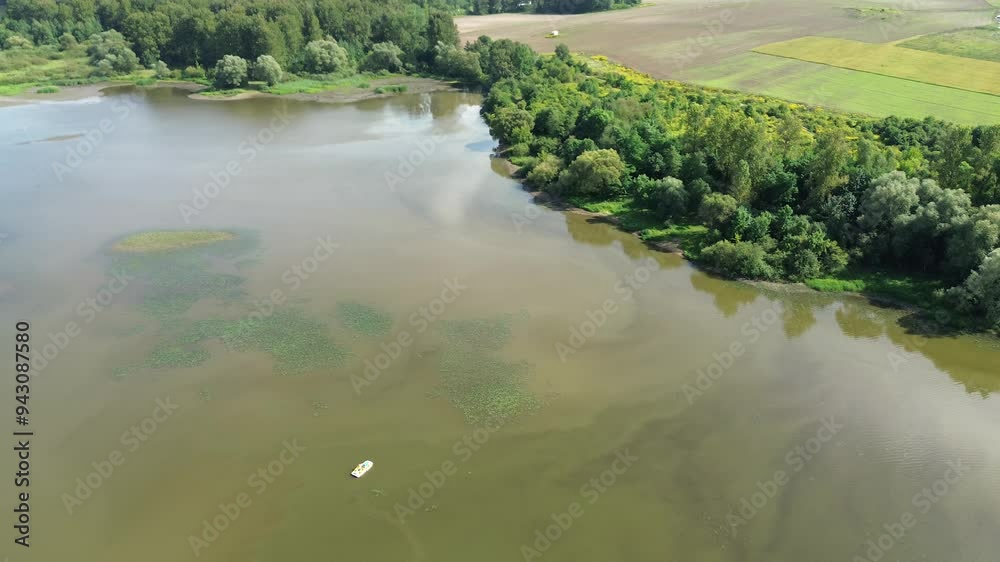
(414, 84)
(672, 246)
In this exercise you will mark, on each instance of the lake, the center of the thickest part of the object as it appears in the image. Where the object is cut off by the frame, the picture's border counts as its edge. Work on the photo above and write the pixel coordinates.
(530, 384)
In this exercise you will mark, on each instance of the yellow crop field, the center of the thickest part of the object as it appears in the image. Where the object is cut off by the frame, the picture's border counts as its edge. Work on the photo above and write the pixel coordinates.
(889, 60)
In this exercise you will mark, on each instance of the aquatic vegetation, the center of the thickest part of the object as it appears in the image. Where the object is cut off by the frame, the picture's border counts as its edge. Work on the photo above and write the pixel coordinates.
(480, 334)
(486, 388)
(364, 319)
(165, 240)
(173, 280)
(170, 355)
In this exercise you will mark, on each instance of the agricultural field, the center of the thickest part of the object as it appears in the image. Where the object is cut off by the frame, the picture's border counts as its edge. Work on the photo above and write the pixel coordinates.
(890, 60)
(981, 43)
(847, 90)
(713, 43)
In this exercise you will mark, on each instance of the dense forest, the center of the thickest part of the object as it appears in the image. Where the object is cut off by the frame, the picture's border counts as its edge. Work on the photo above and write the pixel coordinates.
(198, 33)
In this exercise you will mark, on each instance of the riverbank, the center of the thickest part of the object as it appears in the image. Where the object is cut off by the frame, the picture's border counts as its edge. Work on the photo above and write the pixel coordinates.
(376, 88)
(920, 295)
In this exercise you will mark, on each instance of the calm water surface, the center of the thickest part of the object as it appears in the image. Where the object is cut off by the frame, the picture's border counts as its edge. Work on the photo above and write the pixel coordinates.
(856, 415)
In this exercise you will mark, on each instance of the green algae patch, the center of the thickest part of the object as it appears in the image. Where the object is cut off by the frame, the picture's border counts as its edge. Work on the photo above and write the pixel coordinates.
(167, 240)
(487, 388)
(364, 319)
(173, 270)
(297, 343)
(171, 282)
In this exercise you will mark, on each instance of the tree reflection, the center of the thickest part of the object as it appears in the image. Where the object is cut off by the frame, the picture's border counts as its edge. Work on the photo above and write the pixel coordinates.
(728, 296)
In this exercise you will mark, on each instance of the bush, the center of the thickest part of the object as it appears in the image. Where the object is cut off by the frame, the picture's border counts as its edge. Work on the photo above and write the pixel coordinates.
(545, 171)
(111, 48)
(979, 295)
(162, 70)
(47, 90)
(325, 55)
(193, 72)
(16, 42)
(739, 259)
(67, 41)
(716, 209)
(267, 69)
(384, 56)
(457, 63)
(231, 72)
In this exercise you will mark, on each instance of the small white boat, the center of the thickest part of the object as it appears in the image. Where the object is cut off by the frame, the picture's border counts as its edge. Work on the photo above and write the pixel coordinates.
(362, 468)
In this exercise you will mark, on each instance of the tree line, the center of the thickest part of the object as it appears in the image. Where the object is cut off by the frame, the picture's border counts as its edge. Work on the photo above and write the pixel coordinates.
(788, 191)
(199, 33)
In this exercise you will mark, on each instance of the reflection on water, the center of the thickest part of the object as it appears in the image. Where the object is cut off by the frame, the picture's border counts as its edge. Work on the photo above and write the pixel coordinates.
(441, 310)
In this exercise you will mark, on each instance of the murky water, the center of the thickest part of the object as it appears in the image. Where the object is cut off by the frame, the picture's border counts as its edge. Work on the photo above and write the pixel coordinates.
(529, 384)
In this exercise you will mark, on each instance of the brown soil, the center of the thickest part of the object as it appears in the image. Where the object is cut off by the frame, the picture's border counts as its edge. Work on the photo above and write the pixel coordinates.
(663, 39)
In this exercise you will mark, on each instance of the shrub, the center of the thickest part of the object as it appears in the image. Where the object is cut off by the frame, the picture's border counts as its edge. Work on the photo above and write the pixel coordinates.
(47, 90)
(162, 70)
(716, 209)
(384, 56)
(111, 47)
(739, 259)
(193, 72)
(545, 171)
(457, 63)
(979, 295)
(67, 41)
(16, 42)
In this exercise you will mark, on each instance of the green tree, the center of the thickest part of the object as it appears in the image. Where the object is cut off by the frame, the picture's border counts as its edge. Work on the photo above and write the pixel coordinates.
(979, 294)
(458, 63)
(325, 55)
(824, 172)
(511, 124)
(148, 32)
(716, 209)
(266, 69)
(231, 72)
(384, 56)
(596, 173)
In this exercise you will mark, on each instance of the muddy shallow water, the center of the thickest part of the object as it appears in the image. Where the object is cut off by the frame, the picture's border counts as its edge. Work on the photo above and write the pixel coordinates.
(528, 383)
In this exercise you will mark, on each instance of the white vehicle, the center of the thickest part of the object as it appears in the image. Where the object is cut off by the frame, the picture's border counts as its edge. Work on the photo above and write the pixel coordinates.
(362, 468)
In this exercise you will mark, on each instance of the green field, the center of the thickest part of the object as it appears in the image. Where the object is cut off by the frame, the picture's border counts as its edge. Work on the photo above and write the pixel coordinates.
(981, 43)
(846, 90)
(890, 60)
